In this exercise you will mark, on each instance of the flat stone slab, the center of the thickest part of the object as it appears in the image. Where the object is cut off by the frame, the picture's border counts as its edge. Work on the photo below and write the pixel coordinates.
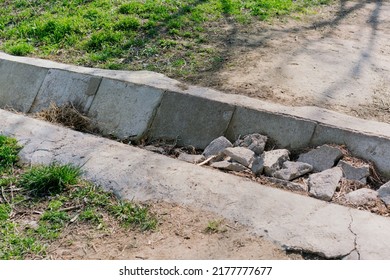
(355, 173)
(191, 158)
(217, 146)
(241, 155)
(191, 120)
(291, 170)
(322, 185)
(321, 158)
(274, 159)
(384, 193)
(291, 220)
(63, 87)
(362, 196)
(289, 185)
(228, 165)
(254, 142)
(124, 110)
(19, 84)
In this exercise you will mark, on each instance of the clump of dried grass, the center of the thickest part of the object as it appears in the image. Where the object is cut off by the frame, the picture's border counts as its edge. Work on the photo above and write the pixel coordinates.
(67, 115)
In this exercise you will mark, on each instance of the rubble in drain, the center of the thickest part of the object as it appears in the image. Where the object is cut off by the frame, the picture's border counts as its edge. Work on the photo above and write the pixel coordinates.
(327, 172)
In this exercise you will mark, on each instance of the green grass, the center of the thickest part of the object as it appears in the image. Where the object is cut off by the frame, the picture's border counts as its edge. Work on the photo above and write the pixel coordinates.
(49, 180)
(215, 226)
(9, 150)
(168, 36)
(61, 197)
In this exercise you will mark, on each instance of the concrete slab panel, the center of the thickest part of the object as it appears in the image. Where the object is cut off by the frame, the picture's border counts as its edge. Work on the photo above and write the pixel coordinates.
(19, 84)
(124, 110)
(62, 87)
(286, 131)
(191, 120)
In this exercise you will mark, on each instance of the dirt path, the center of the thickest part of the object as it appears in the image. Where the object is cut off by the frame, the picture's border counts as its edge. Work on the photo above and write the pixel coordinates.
(181, 235)
(338, 58)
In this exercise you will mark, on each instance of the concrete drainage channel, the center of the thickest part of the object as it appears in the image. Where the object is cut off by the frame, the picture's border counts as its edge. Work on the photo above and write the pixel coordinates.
(143, 105)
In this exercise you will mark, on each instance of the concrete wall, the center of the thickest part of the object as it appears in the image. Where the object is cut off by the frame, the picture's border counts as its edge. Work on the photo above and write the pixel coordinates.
(134, 105)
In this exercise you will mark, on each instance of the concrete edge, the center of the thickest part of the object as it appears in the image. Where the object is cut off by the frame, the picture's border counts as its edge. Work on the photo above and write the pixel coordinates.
(143, 102)
(293, 221)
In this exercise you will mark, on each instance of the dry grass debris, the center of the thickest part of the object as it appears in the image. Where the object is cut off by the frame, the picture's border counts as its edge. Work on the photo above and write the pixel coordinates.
(67, 115)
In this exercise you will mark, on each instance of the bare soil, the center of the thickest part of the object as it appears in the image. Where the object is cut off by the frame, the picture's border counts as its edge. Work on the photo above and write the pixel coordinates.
(337, 58)
(181, 234)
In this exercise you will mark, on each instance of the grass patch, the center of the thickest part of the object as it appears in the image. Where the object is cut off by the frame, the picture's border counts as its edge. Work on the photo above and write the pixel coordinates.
(132, 35)
(9, 150)
(49, 180)
(61, 199)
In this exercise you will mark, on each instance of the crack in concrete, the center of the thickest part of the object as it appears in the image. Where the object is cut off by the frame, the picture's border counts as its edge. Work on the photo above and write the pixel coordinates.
(355, 235)
(313, 133)
(59, 143)
(230, 122)
(156, 110)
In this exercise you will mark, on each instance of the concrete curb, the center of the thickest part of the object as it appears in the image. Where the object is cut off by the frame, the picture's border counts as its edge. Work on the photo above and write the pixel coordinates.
(133, 105)
(293, 221)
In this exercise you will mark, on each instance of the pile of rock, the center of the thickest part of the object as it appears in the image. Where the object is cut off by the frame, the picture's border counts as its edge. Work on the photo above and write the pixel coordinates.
(322, 168)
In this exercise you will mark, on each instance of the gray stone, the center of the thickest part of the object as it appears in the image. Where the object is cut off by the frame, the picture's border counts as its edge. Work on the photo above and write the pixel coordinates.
(191, 158)
(321, 158)
(355, 173)
(192, 120)
(217, 146)
(154, 149)
(323, 185)
(19, 84)
(273, 160)
(227, 165)
(292, 170)
(241, 155)
(362, 196)
(257, 165)
(64, 87)
(255, 142)
(384, 193)
(124, 110)
(288, 185)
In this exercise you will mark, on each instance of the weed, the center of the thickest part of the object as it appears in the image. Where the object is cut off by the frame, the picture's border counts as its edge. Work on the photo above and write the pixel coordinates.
(19, 48)
(5, 210)
(130, 214)
(49, 180)
(14, 245)
(55, 217)
(9, 150)
(91, 215)
(214, 226)
(128, 23)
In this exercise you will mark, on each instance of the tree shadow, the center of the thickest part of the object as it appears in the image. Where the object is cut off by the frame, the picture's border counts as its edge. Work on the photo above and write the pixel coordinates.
(344, 9)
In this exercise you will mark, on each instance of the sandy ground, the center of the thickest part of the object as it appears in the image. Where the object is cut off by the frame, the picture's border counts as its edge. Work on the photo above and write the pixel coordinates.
(181, 234)
(337, 58)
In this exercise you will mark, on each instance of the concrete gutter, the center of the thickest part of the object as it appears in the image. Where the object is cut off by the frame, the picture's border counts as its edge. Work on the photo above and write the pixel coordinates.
(136, 105)
(291, 220)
